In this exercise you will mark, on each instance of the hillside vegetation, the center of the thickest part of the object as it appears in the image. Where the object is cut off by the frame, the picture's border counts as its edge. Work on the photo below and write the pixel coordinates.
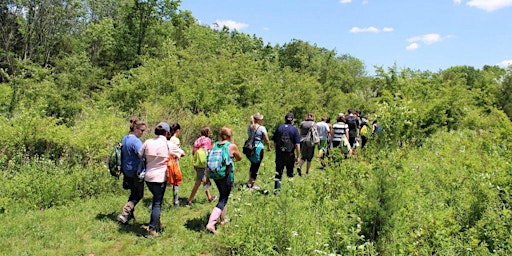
(73, 73)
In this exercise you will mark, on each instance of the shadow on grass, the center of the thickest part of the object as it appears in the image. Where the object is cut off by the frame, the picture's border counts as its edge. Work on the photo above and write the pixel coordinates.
(132, 226)
(198, 224)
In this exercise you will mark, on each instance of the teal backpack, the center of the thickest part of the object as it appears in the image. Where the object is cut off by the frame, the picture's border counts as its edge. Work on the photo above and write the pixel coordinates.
(219, 161)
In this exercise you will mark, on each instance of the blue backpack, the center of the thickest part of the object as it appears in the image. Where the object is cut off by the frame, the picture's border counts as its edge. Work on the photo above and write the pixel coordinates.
(219, 161)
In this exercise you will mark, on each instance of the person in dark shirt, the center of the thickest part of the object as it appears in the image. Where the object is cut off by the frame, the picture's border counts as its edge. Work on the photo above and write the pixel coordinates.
(287, 144)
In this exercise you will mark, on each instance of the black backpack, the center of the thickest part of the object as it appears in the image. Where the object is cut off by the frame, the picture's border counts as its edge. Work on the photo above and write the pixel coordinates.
(250, 145)
(351, 122)
(286, 144)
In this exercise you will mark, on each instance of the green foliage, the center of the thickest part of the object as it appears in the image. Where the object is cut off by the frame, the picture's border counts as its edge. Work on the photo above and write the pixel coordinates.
(436, 181)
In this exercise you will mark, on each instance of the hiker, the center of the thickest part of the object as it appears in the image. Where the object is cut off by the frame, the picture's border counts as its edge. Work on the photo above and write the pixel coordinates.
(353, 127)
(260, 136)
(205, 144)
(324, 132)
(364, 131)
(174, 138)
(287, 145)
(306, 151)
(376, 128)
(340, 130)
(130, 160)
(157, 151)
(175, 133)
(224, 184)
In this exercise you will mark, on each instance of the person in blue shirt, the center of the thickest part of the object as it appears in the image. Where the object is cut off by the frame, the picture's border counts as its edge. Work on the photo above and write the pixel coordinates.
(287, 145)
(130, 160)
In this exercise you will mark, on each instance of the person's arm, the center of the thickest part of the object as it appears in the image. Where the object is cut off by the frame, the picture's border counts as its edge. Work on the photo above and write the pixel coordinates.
(141, 150)
(175, 150)
(267, 141)
(297, 152)
(235, 152)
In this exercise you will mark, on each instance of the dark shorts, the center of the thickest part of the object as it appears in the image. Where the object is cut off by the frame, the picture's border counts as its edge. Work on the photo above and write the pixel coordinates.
(306, 152)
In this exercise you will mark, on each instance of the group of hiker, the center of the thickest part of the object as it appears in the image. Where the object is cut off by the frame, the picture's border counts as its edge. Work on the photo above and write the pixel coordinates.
(294, 146)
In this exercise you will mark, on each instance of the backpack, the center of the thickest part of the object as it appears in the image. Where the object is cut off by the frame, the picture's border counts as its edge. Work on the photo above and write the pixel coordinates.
(114, 161)
(345, 145)
(200, 158)
(250, 145)
(312, 137)
(351, 122)
(365, 131)
(219, 161)
(286, 144)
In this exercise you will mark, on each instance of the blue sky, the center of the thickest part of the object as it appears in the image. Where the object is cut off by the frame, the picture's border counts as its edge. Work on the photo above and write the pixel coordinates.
(418, 34)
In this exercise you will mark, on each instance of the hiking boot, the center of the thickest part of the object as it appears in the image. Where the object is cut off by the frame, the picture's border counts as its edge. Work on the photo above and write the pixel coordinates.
(127, 213)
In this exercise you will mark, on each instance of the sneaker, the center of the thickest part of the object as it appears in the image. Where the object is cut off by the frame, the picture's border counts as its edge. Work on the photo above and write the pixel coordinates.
(154, 233)
(213, 198)
(299, 171)
(254, 188)
(224, 221)
(122, 218)
(189, 203)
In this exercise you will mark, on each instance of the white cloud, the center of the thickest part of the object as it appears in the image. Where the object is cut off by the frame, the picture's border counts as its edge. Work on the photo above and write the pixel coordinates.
(412, 47)
(370, 29)
(219, 24)
(505, 63)
(350, 1)
(489, 5)
(426, 39)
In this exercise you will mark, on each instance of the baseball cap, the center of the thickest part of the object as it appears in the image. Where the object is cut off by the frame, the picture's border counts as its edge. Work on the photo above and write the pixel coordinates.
(164, 126)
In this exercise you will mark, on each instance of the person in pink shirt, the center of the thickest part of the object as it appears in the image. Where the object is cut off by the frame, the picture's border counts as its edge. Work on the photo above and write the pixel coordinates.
(157, 151)
(204, 142)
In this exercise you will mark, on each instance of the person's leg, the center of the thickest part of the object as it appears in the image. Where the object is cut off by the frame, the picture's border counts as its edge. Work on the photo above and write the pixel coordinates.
(303, 153)
(280, 164)
(290, 164)
(224, 190)
(199, 178)
(309, 152)
(175, 195)
(253, 171)
(158, 191)
(136, 194)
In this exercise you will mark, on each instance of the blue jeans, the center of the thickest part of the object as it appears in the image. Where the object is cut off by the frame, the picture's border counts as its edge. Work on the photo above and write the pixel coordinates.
(224, 186)
(158, 191)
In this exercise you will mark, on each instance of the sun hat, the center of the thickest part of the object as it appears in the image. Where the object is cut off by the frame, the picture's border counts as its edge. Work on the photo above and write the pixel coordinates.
(257, 116)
